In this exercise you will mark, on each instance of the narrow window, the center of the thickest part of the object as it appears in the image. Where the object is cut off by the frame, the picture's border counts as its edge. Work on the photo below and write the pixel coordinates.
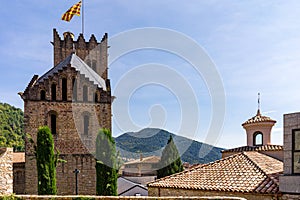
(96, 97)
(94, 65)
(74, 88)
(88, 62)
(86, 121)
(64, 89)
(43, 95)
(258, 138)
(53, 123)
(85, 93)
(53, 92)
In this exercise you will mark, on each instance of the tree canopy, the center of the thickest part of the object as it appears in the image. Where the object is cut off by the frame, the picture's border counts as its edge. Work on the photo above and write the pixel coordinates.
(11, 127)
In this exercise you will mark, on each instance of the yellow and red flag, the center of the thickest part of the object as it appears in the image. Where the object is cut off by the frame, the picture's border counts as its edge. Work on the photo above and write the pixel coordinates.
(74, 10)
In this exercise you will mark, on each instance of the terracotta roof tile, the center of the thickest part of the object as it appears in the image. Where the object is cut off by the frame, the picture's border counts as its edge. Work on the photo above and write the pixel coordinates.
(258, 118)
(250, 172)
(268, 147)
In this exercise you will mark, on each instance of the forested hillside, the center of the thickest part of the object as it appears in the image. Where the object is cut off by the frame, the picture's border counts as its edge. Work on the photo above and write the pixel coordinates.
(11, 127)
(152, 141)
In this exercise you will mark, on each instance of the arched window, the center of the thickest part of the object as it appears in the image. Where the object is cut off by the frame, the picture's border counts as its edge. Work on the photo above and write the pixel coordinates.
(85, 93)
(43, 95)
(258, 138)
(74, 89)
(53, 92)
(94, 65)
(96, 97)
(53, 123)
(64, 89)
(86, 122)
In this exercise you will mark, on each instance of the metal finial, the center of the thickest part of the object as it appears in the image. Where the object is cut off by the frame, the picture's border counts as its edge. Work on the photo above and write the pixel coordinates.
(258, 104)
(258, 101)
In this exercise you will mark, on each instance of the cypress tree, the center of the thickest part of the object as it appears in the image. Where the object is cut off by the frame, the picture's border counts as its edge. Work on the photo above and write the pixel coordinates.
(106, 172)
(46, 162)
(170, 162)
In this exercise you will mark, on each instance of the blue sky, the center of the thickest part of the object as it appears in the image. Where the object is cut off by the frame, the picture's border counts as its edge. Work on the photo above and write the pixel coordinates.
(255, 46)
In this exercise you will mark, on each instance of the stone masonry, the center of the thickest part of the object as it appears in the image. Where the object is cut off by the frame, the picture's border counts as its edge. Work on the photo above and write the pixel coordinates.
(6, 171)
(289, 182)
(74, 107)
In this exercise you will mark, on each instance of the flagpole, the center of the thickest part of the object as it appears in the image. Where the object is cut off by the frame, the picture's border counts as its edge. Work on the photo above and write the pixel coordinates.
(82, 17)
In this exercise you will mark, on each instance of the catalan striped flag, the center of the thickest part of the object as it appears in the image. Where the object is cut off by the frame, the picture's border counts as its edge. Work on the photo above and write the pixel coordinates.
(74, 10)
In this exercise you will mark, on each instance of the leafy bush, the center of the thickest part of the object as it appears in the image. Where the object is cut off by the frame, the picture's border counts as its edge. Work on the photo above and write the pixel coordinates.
(9, 197)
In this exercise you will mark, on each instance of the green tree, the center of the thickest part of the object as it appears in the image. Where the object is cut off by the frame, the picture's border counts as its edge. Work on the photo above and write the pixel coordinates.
(46, 162)
(11, 127)
(106, 172)
(170, 162)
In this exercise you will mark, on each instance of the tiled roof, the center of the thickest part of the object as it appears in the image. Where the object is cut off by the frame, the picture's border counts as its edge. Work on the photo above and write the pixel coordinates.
(150, 159)
(267, 147)
(258, 118)
(18, 157)
(248, 172)
(80, 66)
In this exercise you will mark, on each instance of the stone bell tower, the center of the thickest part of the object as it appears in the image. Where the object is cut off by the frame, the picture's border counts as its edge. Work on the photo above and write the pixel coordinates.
(74, 99)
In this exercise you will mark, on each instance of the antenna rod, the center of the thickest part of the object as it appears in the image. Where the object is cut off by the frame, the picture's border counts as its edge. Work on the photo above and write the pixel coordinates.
(258, 101)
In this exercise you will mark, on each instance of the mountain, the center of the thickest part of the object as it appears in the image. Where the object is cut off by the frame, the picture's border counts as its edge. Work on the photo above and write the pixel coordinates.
(11, 127)
(148, 141)
(151, 141)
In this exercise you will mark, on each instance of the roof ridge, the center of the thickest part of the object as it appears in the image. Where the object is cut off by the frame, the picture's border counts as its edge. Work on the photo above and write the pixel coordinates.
(255, 164)
(63, 61)
(258, 167)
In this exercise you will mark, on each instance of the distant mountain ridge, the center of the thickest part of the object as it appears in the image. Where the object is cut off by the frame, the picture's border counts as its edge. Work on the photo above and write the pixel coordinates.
(151, 141)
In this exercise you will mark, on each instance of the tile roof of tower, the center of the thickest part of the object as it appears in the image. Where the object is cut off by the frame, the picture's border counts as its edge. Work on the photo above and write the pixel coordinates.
(79, 65)
(248, 172)
(258, 118)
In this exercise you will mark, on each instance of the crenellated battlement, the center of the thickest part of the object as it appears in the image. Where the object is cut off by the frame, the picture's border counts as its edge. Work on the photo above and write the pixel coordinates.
(94, 53)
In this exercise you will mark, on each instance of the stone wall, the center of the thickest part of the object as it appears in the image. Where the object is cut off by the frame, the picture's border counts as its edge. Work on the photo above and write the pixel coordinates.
(290, 197)
(6, 171)
(154, 191)
(65, 177)
(33, 197)
(289, 182)
(19, 178)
